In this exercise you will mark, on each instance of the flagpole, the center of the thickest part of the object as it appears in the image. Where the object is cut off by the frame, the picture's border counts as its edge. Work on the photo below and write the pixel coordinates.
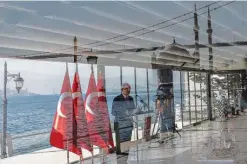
(67, 151)
(80, 159)
(103, 157)
(92, 145)
(92, 69)
(92, 155)
(67, 125)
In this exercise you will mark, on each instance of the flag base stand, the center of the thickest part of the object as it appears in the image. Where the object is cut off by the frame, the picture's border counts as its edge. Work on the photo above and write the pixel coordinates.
(112, 150)
(92, 158)
(103, 158)
(80, 160)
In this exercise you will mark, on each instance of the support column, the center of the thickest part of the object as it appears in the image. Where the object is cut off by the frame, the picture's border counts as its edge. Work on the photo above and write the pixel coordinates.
(148, 99)
(209, 104)
(165, 77)
(4, 117)
(75, 50)
(188, 76)
(195, 95)
(182, 102)
(202, 112)
(228, 87)
(210, 48)
(121, 75)
(135, 80)
(243, 78)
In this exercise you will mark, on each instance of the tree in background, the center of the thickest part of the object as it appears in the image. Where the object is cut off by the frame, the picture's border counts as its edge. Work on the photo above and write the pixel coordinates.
(221, 84)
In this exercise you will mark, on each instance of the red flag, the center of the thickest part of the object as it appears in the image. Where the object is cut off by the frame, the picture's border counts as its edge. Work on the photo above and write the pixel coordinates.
(80, 130)
(95, 124)
(61, 133)
(104, 110)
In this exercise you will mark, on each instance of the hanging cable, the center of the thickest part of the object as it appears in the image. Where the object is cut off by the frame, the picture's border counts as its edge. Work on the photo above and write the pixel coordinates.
(122, 35)
(214, 9)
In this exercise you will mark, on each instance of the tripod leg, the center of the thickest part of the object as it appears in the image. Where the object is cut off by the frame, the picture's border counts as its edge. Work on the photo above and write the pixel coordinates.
(178, 133)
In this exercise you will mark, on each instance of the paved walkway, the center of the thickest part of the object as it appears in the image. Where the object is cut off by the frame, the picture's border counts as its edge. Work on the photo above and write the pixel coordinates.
(210, 143)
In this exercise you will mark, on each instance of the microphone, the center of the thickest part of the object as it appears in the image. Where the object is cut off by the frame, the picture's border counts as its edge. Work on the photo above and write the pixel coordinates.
(142, 101)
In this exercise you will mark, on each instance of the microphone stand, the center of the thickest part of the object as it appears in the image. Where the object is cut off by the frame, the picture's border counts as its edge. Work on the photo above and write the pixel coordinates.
(143, 102)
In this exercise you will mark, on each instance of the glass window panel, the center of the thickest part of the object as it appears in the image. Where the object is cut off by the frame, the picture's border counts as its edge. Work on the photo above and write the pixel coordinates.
(192, 97)
(193, 107)
(204, 95)
(129, 77)
(185, 99)
(141, 84)
(153, 85)
(198, 80)
(177, 98)
(112, 85)
(141, 87)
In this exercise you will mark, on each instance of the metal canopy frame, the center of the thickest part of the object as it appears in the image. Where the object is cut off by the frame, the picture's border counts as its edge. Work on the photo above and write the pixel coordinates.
(173, 56)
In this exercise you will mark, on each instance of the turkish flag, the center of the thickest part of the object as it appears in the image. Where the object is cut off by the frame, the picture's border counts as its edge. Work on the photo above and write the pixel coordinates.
(95, 123)
(104, 111)
(80, 130)
(61, 133)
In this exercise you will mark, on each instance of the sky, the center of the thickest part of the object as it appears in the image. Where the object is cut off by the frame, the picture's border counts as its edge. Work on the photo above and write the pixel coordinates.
(28, 28)
(47, 77)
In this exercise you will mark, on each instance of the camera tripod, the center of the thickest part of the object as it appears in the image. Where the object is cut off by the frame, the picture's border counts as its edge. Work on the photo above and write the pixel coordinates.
(158, 120)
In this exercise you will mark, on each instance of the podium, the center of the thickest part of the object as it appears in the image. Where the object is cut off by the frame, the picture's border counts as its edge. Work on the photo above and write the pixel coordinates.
(137, 119)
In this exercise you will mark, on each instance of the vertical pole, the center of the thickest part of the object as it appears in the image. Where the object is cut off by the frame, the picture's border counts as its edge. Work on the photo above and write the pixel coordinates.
(80, 159)
(67, 151)
(195, 94)
(121, 75)
(75, 50)
(202, 113)
(116, 125)
(4, 129)
(135, 80)
(92, 144)
(148, 89)
(75, 61)
(209, 104)
(92, 69)
(189, 95)
(92, 155)
(210, 49)
(137, 136)
(228, 92)
(118, 145)
(101, 70)
(181, 105)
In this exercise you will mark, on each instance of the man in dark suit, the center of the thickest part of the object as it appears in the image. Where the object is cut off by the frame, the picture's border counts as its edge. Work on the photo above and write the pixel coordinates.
(122, 108)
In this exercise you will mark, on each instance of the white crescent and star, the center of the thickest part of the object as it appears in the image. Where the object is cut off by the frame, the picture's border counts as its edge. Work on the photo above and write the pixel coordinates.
(59, 112)
(100, 94)
(88, 101)
(76, 95)
(62, 97)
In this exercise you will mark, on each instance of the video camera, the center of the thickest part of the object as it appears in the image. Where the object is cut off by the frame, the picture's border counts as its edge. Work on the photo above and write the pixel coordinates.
(164, 91)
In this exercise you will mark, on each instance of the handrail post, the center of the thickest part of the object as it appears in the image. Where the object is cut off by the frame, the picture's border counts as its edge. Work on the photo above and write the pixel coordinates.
(117, 136)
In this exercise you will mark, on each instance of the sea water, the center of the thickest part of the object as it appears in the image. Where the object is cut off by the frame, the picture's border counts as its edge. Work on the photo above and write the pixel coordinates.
(30, 119)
